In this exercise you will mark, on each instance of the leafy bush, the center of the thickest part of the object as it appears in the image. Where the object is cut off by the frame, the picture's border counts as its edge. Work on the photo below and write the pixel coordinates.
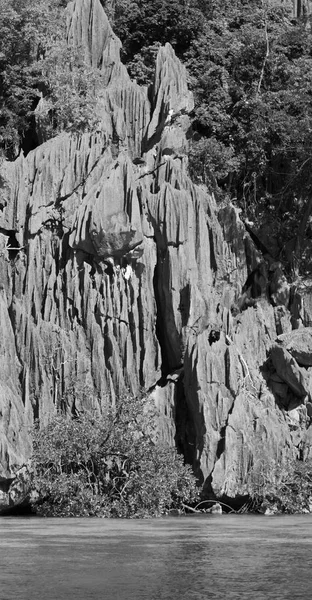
(110, 466)
(35, 62)
(209, 161)
(72, 89)
(142, 66)
(141, 23)
(28, 29)
(283, 487)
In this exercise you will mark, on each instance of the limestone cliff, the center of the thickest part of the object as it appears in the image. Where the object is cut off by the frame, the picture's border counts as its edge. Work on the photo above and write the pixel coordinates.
(117, 272)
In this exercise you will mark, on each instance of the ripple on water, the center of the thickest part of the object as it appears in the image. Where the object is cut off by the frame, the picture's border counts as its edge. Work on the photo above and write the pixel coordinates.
(226, 557)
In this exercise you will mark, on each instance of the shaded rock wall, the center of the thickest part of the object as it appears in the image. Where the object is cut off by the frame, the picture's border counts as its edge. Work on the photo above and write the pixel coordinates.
(117, 272)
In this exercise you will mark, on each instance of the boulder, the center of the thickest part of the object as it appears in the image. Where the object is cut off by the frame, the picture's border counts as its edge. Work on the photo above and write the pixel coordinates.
(289, 371)
(299, 344)
(216, 509)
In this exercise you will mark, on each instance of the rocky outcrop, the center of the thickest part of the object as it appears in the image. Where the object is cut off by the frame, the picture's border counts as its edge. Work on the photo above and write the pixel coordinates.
(299, 344)
(289, 371)
(117, 272)
(291, 357)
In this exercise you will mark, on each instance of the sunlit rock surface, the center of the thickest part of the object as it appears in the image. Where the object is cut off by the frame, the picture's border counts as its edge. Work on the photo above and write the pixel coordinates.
(117, 272)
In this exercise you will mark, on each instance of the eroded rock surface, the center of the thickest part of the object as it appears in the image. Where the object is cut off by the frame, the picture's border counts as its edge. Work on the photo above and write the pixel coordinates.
(299, 344)
(117, 272)
(289, 371)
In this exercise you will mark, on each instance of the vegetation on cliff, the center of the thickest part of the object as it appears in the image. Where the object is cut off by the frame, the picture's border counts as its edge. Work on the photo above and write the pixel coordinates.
(280, 488)
(36, 63)
(249, 65)
(110, 466)
(27, 32)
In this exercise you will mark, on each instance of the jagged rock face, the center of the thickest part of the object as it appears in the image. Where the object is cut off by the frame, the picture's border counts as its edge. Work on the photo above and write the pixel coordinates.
(291, 356)
(118, 272)
(299, 344)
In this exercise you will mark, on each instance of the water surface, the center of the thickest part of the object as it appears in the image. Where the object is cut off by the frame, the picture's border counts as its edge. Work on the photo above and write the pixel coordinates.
(228, 557)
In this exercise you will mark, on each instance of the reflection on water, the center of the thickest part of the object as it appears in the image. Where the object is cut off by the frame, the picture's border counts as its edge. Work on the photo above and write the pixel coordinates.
(226, 557)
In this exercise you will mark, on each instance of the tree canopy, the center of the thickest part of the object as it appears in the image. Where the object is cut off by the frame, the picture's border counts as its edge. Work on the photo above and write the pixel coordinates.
(251, 73)
(250, 69)
(28, 29)
(35, 62)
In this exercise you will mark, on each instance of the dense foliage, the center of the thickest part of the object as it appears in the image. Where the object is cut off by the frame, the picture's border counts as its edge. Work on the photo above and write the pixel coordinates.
(110, 466)
(251, 71)
(26, 33)
(35, 62)
(141, 23)
(280, 487)
(250, 68)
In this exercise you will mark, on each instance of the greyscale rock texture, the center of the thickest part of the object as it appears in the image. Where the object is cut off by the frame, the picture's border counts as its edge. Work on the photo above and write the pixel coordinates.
(117, 272)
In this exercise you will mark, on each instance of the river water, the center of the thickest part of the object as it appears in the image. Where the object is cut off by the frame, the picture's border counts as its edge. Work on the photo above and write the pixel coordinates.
(224, 557)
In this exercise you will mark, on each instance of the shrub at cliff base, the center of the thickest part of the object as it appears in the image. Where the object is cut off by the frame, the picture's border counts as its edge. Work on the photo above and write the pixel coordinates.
(110, 466)
(280, 487)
